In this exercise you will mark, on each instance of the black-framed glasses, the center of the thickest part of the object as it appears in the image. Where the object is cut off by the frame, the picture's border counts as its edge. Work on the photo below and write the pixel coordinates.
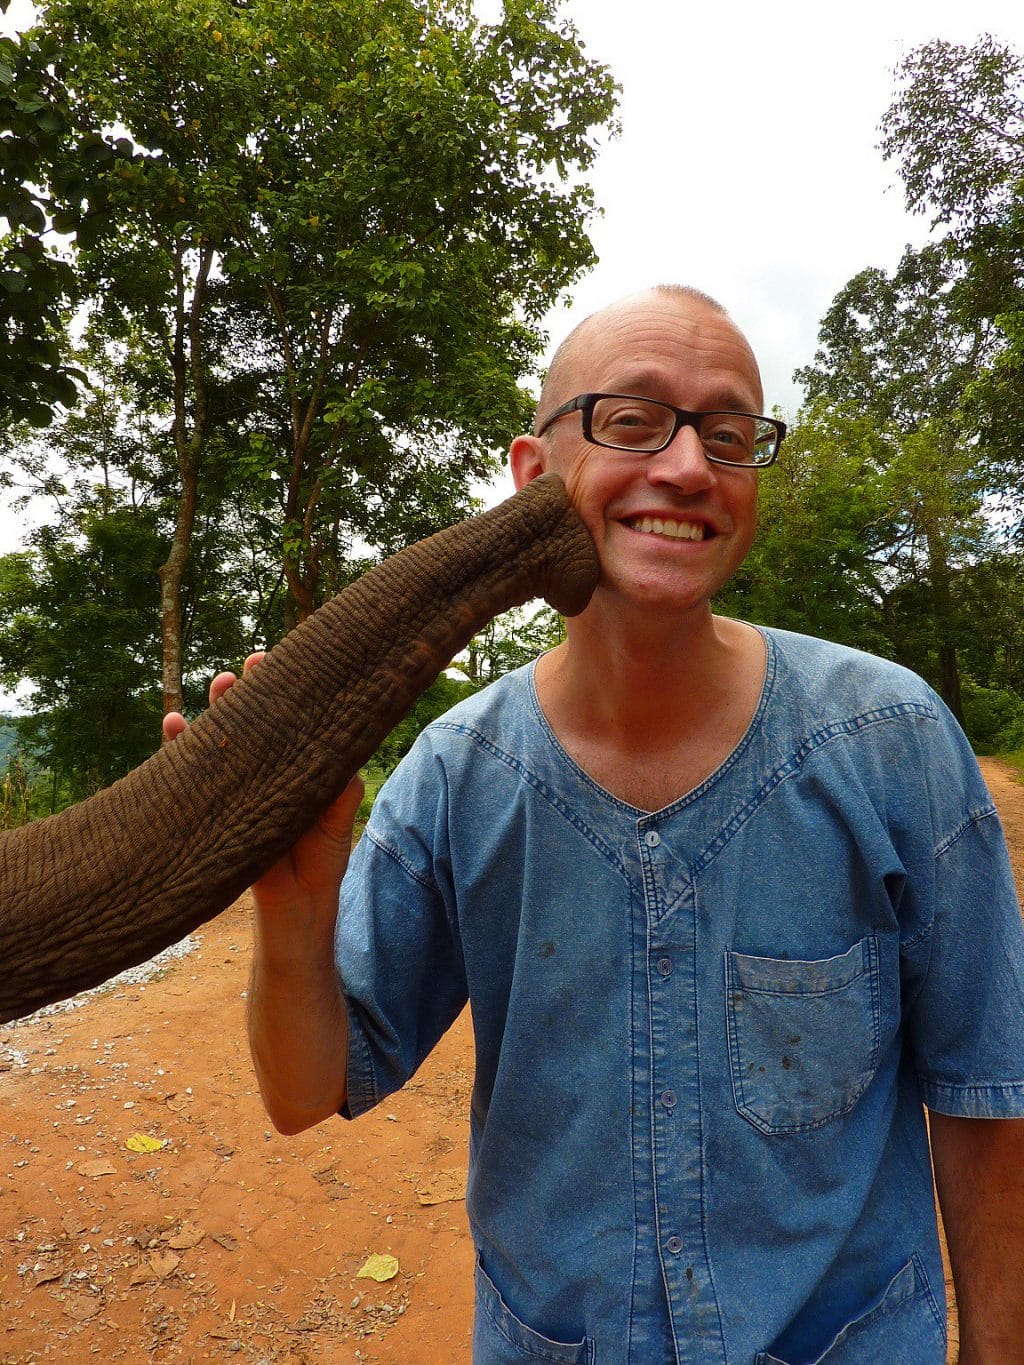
(622, 421)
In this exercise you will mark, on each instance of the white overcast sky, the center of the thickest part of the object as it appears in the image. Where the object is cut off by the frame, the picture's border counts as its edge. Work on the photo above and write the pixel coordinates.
(786, 98)
(783, 99)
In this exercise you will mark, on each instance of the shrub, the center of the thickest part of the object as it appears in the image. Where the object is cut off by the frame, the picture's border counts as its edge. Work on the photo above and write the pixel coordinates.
(993, 718)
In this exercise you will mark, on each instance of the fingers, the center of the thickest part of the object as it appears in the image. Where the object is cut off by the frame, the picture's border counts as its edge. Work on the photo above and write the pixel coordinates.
(334, 830)
(341, 814)
(175, 724)
(221, 683)
(310, 873)
(335, 825)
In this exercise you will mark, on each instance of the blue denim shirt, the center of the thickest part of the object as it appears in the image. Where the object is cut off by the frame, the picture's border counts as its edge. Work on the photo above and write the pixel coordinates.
(703, 1035)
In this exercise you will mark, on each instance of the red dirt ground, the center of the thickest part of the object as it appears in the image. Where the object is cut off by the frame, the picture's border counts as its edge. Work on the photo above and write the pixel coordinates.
(230, 1242)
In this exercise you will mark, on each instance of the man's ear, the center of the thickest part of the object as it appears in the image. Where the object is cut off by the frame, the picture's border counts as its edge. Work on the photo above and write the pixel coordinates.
(527, 457)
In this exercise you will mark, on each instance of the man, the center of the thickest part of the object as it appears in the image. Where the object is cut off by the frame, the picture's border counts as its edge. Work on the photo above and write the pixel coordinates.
(728, 903)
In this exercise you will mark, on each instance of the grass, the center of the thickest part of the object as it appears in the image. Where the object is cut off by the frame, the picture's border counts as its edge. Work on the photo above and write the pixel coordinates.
(1014, 760)
(373, 779)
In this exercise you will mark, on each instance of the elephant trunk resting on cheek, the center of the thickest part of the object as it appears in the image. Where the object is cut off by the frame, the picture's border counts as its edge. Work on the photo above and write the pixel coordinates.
(106, 884)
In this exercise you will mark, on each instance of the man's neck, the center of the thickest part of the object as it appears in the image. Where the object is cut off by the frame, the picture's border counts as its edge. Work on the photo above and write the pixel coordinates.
(652, 711)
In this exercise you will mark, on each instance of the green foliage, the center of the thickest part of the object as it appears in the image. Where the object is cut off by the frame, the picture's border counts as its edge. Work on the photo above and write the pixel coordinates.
(1015, 760)
(8, 738)
(77, 617)
(899, 351)
(887, 526)
(508, 642)
(354, 211)
(956, 130)
(52, 195)
(994, 718)
(15, 794)
(902, 347)
(440, 696)
(319, 238)
(825, 519)
(79, 610)
(990, 600)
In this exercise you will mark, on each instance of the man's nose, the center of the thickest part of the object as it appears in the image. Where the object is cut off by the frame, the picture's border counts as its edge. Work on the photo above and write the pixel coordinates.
(682, 462)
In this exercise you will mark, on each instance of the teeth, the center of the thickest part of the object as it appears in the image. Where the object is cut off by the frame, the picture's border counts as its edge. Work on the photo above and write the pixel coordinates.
(677, 530)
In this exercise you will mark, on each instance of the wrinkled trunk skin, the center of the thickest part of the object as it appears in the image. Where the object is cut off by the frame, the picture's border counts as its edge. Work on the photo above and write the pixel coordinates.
(105, 884)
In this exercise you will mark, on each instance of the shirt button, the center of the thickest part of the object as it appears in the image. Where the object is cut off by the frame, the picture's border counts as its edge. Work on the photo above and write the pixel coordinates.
(675, 1245)
(669, 1099)
(665, 966)
(652, 838)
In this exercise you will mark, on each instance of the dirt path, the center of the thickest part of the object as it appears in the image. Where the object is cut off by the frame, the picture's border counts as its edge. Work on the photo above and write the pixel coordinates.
(229, 1242)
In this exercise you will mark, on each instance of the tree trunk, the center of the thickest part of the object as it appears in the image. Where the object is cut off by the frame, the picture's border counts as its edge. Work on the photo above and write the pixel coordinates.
(172, 575)
(189, 370)
(943, 620)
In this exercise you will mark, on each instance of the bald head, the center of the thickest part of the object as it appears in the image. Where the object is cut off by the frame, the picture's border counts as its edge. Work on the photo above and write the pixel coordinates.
(570, 357)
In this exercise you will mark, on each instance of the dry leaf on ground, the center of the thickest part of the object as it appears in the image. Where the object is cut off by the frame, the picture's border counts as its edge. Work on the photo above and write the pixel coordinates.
(379, 1267)
(141, 1142)
(94, 1169)
(447, 1185)
(186, 1238)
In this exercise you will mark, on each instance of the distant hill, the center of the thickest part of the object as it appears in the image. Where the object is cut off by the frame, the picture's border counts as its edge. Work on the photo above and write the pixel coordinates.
(8, 740)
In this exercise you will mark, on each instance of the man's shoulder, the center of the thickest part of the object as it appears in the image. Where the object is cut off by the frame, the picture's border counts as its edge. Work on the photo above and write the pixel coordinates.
(841, 674)
(457, 749)
(500, 716)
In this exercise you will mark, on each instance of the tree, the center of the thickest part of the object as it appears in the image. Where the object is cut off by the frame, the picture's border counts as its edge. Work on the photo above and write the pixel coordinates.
(41, 161)
(77, 619)
(876, 527)
(78, 609)
(901, 351)
(354, 212)
(508, 642)
(826, 527)
(956, 131)
(991, 590)
(956, 128)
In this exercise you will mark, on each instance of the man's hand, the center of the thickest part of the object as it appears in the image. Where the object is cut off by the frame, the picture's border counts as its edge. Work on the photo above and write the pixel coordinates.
(298, 1027)
(314, 867)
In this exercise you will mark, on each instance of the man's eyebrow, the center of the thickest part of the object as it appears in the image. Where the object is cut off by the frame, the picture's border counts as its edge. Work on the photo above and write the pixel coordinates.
(638, 381)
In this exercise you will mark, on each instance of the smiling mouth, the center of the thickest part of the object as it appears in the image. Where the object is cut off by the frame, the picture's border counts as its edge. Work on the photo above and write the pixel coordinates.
(666, 526)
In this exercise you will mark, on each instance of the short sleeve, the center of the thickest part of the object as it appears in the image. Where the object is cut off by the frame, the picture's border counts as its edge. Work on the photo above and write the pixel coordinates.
(397, 946)
(966, 1019)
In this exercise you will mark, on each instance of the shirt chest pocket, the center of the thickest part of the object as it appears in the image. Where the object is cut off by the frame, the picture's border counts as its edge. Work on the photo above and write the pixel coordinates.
(803, 1036)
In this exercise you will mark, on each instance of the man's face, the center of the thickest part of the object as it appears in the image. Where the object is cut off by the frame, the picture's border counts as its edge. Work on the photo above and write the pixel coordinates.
(670, 528)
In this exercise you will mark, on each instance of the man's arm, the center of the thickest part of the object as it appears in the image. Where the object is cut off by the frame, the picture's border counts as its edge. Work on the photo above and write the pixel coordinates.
(298, 1026)
(979, 1174)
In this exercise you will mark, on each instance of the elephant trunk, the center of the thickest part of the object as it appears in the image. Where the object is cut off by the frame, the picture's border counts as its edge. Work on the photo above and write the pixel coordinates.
(108, 883)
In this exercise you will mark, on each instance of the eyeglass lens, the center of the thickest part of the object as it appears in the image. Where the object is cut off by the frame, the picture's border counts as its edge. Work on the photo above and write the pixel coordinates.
(640, 424)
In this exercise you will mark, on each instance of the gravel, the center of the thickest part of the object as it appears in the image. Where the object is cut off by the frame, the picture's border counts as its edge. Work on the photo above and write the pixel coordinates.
(134, 976)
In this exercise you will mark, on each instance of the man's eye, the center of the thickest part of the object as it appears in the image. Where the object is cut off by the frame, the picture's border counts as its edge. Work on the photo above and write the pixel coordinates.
(732, 437)
(630, 424)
